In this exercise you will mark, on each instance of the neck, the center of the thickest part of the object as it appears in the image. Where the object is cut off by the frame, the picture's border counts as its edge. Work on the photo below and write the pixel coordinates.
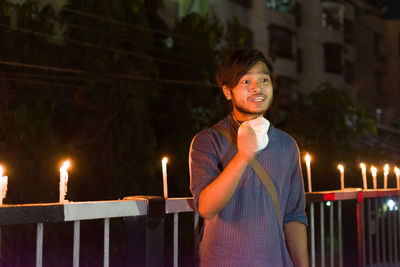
(244, 117)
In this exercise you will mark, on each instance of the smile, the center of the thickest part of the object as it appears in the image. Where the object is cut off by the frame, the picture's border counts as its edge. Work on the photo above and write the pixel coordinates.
(257, 98)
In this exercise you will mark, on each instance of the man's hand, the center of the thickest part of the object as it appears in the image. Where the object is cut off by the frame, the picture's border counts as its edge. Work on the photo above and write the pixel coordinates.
(247, 142)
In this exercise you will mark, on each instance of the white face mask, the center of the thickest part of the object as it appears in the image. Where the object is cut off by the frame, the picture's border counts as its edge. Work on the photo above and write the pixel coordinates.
(260, 126)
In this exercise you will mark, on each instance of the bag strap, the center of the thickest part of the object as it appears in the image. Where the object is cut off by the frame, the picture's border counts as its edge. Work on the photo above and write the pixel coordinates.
(258, 169)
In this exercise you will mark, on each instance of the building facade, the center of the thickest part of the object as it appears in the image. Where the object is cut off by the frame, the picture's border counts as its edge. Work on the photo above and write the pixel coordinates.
(348, 44)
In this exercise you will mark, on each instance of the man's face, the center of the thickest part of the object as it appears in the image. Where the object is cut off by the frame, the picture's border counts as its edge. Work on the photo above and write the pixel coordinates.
(253, 94)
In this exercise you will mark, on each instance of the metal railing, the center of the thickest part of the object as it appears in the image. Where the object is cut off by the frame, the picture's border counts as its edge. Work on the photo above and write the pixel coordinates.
(368, 235)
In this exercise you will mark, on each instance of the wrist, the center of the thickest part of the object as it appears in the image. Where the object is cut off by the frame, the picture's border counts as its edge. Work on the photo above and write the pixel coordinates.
(245, 157)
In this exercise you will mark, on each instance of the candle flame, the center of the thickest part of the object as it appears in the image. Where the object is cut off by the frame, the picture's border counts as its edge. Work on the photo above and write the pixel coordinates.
(307, 158)
(164, 160)
(362, 166)
(373, 170)
(397, 171)
(386, 169)
(65, 166)
(340, 167)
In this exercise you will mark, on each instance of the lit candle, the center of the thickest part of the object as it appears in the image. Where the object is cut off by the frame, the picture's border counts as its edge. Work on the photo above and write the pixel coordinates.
(373, 172)
(164, 173)
(385, 175)
(341, 169)
(397, 171)
(3, 185)
(364, 175)
(308, 160)
(64, 180)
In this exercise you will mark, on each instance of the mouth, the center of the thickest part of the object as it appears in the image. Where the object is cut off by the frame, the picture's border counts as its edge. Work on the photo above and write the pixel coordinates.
(257, 98)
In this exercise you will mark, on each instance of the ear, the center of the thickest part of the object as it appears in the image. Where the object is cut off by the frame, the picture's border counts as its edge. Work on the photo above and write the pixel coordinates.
(227, 92)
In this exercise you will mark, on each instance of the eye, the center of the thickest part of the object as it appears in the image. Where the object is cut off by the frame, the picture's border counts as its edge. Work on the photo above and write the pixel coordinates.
(245, 81)
(265, 80)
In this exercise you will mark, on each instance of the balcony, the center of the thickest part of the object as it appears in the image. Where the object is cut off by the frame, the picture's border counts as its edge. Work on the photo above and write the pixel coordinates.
(351, 227)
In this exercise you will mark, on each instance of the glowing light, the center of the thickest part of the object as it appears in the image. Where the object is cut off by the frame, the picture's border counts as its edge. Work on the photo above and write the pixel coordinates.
(374, 172)
(164, 162)
(364, 175)
(308, 165)
(64, 180)
(328, 203)
(397, 172)
(391, 204)
(385, 175)
(3, 185)
(341, 169)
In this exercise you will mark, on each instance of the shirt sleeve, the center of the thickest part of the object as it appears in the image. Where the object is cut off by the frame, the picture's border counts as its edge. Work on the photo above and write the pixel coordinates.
(295, 209)
(203, 164)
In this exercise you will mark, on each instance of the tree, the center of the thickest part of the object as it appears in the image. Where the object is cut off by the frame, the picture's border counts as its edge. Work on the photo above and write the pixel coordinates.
(330, 125)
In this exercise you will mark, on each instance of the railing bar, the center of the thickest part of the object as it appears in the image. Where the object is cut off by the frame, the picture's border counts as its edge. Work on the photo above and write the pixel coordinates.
(331, 234)
(322, 232)
(363, 235)
(383, 233)
(106, 242)
(369, 232)
(377, 237)
(312, 222)
(340, 233)
(176, 248)
(395, 232)
(39, 245)
(390, 248)
(77, 227)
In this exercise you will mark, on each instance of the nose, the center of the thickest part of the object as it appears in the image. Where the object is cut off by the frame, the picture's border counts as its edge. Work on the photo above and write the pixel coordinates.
(255, 87)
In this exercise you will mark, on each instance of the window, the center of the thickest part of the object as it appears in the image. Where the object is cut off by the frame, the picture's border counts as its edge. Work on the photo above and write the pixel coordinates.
(349, 72)
(378, 42)
(398, 43)
(332, 15)
(5, 15)
(348, 31)
(280, 42)
(297, 13)
(244, 3)
(281, 5)
(379, 75)
(379, 83)
(299, 60)
(333, 58)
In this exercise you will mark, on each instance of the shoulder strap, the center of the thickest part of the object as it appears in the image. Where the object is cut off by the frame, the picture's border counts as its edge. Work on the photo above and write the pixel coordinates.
(258, 169)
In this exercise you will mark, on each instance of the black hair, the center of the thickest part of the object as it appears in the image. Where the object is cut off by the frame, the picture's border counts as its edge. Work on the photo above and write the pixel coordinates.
(236, 64)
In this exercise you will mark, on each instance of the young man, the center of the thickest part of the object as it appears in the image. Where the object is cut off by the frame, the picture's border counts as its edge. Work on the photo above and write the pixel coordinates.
(242, 226)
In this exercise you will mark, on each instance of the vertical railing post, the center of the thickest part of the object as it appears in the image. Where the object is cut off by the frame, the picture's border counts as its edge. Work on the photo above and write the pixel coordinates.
(39, 245)
(383, 227)
(106, 259)
(1, 258)
(360, 230)
(77, 227)
(331, 222)
(370, 252)
(340, 233)
(377, 238)
(312, 234)
(395, 226)
(176, 243)
(322, 233)
(390, 247)
(145, 234)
